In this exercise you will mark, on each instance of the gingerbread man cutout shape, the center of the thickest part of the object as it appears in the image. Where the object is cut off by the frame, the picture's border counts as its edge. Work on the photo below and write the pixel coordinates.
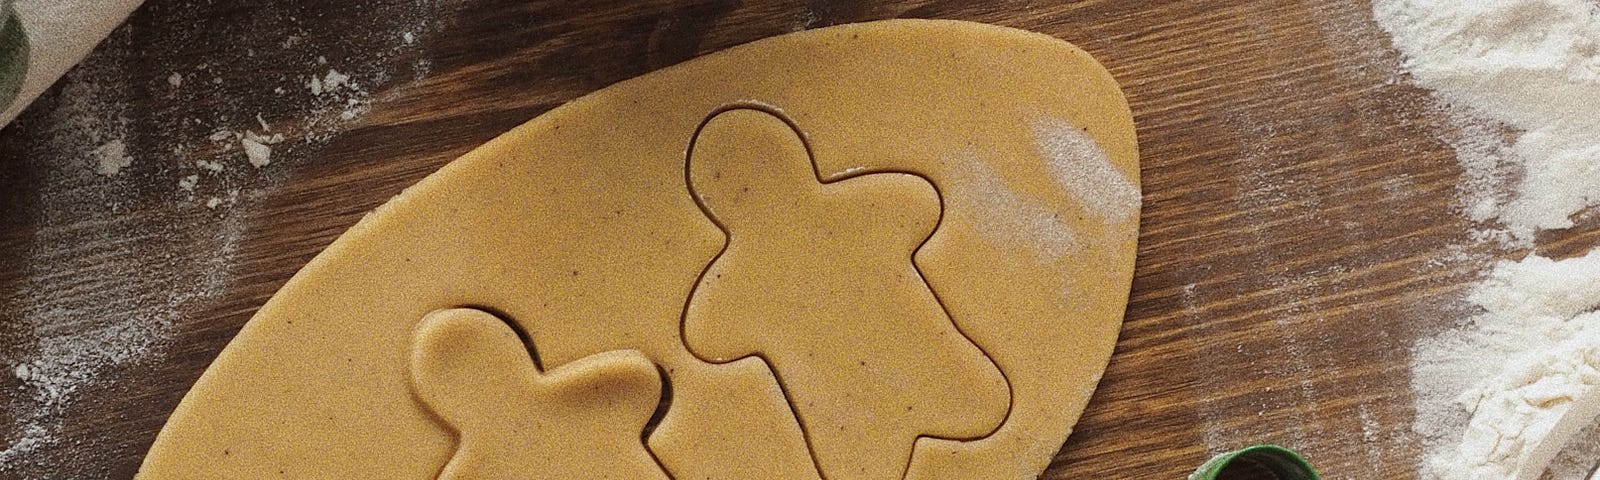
(584, 419)
(818, 279)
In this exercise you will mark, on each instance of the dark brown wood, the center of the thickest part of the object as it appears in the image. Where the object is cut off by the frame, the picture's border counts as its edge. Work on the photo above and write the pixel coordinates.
(1298, 230)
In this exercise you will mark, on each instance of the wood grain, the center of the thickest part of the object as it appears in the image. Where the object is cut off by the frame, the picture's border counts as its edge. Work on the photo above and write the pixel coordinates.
(1299, 231)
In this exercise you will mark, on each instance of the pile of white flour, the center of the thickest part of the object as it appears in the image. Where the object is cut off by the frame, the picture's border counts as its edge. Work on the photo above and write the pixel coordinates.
(1533, 65)
(1524, 77)
(1517, 367)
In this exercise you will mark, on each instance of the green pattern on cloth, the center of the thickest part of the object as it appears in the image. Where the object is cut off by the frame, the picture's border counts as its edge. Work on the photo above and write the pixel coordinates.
(13, 54)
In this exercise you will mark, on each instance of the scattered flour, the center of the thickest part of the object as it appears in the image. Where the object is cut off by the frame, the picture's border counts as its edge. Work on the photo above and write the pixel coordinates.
(208, 166)
(1520, 78)
(329, 82)
(132, 279)
(334, 80)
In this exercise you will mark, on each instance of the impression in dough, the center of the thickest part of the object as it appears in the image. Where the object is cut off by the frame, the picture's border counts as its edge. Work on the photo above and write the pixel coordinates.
(579, 421)
(897, 249)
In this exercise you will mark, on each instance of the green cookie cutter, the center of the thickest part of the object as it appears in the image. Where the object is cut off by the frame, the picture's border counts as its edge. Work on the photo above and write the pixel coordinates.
(13, 54)
(1283, 463)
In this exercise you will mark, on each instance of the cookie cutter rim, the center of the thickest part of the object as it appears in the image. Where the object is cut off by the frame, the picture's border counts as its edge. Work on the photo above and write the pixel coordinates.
(1284, 463)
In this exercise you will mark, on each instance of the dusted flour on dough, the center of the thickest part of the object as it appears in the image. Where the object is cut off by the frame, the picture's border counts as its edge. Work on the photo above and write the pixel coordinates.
(1085, 171)
(1010, 220)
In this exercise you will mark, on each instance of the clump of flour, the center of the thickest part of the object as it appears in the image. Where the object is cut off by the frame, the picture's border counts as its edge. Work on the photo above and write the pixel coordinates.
(1519, 78)
(111, 158)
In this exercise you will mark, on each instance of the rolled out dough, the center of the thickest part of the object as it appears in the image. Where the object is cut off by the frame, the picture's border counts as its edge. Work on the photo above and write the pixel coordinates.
(897, 249)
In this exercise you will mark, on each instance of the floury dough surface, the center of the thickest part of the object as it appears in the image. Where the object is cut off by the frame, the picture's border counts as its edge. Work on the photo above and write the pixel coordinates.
(627, 230)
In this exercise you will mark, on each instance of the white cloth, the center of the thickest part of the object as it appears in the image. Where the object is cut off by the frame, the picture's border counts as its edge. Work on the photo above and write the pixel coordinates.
(60, 34)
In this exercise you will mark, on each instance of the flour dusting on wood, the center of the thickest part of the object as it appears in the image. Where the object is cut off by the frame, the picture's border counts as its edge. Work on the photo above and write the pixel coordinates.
(136, 185)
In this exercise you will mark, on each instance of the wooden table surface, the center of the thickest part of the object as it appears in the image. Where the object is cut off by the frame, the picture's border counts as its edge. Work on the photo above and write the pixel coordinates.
(1300, 228)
